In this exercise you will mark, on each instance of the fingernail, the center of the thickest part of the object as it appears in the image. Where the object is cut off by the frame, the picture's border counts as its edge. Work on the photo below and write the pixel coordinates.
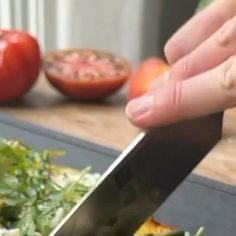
(139, 106)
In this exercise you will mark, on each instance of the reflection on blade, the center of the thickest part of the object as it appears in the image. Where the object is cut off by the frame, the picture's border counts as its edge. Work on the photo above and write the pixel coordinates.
(141, 179)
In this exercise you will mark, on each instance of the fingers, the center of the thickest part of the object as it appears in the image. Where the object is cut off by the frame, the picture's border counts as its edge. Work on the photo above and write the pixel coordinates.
(199, 28)
(194, 51)
(173, 100)
(214, 51)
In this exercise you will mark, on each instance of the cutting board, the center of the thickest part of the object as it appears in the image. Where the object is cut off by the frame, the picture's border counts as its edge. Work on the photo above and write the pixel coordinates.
(197, 201)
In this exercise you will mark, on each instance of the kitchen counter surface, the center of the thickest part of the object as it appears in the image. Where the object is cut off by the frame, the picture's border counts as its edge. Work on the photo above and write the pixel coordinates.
(106, 124)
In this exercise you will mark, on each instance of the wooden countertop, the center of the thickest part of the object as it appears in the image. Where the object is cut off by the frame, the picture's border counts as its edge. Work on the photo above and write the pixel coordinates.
(106, 124)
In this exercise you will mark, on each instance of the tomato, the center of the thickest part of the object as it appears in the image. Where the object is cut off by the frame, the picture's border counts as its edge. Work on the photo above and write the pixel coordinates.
(86, 74)
(148, 70)
(19, 63)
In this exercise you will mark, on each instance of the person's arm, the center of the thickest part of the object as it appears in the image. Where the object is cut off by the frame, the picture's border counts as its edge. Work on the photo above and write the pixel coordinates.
(202, 76)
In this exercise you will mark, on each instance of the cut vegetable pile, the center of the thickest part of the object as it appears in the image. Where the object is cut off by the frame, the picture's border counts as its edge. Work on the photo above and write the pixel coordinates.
(35, 196)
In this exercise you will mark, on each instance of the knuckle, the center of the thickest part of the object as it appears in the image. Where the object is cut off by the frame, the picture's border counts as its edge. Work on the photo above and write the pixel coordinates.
(173, 96)
(182, 69)
(226, 36)
(176, 94)
(228, 79)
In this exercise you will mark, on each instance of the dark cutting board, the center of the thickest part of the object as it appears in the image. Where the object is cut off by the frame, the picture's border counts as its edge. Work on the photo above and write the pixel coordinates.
(197, 202)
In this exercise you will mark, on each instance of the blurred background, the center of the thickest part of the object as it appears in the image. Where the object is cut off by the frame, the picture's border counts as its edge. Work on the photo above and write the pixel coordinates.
(132, 28)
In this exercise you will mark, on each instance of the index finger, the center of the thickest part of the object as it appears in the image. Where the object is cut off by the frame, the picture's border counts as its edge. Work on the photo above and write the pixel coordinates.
(199, 28)
(214, 51)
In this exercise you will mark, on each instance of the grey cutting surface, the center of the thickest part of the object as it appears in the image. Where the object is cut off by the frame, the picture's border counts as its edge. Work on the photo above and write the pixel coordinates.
(197, 202)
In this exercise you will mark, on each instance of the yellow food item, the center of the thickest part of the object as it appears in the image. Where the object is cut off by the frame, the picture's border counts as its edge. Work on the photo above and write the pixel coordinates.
(152, 227)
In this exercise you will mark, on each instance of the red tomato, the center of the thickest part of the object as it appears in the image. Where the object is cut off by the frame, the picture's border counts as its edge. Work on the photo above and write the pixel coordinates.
(147, 71)
(19, 63)
(86, 74)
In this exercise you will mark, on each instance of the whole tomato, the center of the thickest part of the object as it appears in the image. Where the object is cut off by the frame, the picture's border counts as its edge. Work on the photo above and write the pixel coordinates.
(19, 63)
(148, 70)
(86, 74)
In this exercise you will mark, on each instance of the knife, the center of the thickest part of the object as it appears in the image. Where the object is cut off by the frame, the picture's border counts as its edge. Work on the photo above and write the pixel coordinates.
(142, 178)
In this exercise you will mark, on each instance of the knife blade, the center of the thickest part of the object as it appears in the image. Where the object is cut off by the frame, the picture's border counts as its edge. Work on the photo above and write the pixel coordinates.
(142, 178)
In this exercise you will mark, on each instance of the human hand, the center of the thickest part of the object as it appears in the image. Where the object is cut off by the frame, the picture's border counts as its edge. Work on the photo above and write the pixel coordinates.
(202, 76)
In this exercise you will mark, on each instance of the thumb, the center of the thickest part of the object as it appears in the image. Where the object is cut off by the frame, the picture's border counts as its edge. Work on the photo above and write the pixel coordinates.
(157, 107)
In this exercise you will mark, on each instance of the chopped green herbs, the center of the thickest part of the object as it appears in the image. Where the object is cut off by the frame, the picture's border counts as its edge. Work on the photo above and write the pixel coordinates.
(180, 233)
(33, 200)
(203, 3)
(200, 232)
(29, 199)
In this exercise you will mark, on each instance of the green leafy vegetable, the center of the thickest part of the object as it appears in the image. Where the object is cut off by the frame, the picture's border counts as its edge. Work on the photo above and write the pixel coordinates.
(180, 233)
(203, 3)
(200, 232)
(29, 199)
(176, 233)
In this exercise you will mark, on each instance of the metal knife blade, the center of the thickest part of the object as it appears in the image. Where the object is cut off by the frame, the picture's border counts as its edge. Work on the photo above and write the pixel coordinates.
(142, 178)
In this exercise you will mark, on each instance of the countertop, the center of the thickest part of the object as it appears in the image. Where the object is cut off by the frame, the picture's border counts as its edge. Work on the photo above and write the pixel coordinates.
(105, 123)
